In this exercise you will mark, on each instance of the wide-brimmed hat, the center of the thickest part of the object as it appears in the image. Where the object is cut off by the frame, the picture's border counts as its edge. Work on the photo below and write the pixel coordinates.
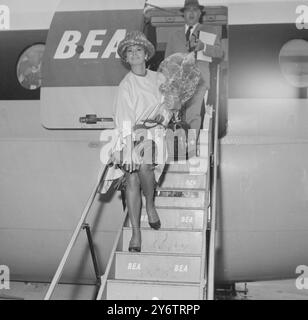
(191, 3)
(133, 38)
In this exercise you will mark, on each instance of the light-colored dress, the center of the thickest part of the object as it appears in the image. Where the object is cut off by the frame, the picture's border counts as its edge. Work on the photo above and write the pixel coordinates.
(138, 99)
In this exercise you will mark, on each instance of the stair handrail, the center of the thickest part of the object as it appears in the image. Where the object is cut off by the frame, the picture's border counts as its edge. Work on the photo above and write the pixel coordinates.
(203, 273)
(212, 245)
(75, 235)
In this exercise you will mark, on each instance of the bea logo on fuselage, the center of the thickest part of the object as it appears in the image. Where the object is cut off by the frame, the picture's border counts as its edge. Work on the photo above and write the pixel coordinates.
(95, 45)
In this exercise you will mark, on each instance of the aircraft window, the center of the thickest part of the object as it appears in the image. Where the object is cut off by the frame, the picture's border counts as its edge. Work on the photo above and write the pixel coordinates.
(29, 67)
(293, 60)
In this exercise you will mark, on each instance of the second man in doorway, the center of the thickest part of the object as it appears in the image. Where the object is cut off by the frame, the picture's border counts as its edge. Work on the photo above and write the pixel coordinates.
(187, 39)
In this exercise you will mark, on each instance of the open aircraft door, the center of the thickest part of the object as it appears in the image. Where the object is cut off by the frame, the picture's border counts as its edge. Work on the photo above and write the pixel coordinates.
(81, 68)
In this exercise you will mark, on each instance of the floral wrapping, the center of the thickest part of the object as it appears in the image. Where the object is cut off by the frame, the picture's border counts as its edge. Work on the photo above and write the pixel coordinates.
(179, 77)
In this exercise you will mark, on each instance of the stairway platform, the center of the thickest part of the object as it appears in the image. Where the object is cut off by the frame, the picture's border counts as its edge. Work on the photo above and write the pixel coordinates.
(196, 165)
(176, 218)
(157, 267)
(182, 180)
(151, 290)
(181, 198)
(180, 241)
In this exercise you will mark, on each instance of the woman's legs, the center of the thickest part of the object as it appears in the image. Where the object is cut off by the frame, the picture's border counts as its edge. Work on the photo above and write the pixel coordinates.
(133, 202)
(147, 181)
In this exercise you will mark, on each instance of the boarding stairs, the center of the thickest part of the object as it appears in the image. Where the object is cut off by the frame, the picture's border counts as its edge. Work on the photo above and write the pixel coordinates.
(172, 262)
(176, 262)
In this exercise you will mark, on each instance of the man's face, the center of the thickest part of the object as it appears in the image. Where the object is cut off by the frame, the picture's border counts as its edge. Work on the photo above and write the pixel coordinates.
(192, 15)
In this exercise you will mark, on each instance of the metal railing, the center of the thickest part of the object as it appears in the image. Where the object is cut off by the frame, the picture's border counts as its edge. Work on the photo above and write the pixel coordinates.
(204, 267)
(79, 227)
(212, 245)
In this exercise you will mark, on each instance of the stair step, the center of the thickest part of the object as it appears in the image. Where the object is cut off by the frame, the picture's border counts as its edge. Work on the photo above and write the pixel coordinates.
(173, 241)
(146, 290)
(176, 218)
(175, 180)
(193, 165)
(157, 267)
(179, 198)
(203, 139)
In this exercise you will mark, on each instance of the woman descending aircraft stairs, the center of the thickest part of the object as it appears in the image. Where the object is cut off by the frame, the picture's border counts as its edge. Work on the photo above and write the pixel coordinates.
(176, 260)
(172, 260)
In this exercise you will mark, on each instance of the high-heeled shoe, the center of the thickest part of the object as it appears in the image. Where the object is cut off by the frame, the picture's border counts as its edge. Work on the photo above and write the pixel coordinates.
(135, 247)
(156, 224)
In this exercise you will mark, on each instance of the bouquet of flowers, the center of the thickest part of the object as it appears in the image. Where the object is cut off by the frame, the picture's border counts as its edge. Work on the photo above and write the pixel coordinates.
(178, 79)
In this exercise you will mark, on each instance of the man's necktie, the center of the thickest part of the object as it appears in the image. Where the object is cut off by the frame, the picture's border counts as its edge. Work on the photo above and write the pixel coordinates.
(188, 37)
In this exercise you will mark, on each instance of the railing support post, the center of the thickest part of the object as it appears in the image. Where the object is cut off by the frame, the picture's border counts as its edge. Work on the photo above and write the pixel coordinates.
(92, 250)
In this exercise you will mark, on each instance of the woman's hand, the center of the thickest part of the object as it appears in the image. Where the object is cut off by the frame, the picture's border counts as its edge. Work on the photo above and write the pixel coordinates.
(131, 167)
(131, 161)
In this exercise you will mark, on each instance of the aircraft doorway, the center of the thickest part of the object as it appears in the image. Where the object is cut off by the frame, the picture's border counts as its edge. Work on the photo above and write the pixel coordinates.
(161, 23)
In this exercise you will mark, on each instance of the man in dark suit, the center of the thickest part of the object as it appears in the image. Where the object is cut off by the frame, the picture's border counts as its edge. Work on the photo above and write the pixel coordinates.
(187, 39)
